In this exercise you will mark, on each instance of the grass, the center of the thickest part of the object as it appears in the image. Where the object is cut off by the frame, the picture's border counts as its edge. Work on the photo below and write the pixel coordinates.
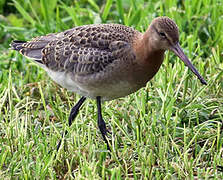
(171, 129)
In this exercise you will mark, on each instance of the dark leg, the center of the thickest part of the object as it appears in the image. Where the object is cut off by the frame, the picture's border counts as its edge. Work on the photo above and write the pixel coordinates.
(101, 123)
(73, 113)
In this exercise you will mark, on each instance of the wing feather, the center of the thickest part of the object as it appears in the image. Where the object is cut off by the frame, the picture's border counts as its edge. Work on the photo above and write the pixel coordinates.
(83, 50)
(85, 60)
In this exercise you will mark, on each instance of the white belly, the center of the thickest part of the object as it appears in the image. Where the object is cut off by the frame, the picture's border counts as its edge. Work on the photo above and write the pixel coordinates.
(108, 91)
(64, 79)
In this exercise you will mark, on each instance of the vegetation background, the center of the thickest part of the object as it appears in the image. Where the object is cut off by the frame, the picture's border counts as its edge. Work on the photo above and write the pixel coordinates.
(171, 129)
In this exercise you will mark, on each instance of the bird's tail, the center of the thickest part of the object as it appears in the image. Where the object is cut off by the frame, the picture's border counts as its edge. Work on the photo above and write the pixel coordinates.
(17, 45)
(31, 49)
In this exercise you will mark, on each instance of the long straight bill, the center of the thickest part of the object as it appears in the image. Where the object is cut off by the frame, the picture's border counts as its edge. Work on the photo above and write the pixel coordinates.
(179, 52)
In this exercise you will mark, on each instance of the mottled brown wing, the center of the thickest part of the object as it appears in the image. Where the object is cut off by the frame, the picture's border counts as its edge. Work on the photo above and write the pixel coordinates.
(85, 60)
(88, 49)
(84, 49)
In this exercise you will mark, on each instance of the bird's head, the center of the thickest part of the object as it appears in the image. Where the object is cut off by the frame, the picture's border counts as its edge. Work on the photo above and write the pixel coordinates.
(164, 35)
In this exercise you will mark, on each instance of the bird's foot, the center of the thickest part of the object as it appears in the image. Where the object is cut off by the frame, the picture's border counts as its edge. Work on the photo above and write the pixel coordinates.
(104, 131)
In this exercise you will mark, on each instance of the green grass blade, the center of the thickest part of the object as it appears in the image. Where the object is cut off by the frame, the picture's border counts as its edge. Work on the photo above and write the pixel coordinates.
(24, 13)
(135, 19)
(94, 5)
(106, 9)
(120, 9)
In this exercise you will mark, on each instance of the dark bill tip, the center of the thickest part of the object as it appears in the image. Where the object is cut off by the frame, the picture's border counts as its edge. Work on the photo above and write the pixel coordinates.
(179, 52)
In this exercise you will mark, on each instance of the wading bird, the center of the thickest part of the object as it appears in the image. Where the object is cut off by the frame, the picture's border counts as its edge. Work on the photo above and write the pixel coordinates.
(104, 61)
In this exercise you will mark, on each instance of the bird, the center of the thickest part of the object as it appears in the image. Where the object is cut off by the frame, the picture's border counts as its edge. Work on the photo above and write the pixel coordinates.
(104, 61)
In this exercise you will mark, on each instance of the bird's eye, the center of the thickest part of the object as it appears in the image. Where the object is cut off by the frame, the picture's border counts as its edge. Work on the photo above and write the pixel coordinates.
(162, 34)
